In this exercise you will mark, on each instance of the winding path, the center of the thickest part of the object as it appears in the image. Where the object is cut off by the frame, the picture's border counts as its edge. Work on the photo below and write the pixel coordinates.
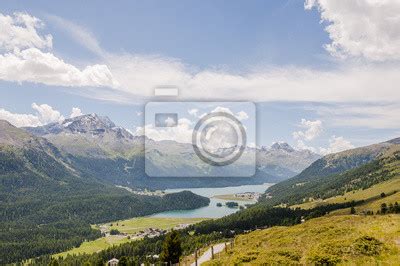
(207, 255)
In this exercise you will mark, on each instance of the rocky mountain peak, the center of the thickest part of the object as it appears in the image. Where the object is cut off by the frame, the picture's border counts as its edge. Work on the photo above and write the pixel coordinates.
(282, 146)
(88, 123)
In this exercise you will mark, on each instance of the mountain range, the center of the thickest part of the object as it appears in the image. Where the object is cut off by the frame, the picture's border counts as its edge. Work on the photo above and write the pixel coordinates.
(63, 176)
(97, 147)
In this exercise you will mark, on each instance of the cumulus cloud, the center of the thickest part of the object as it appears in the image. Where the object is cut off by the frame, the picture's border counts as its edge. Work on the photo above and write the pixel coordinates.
(336, 144)
(20, 32)
(182, 132)
(241, 115)
(20, 120)
(170, 122)
(302, 146)
(368, 28)
(75, 112)
(312, 130)
(193, 111)
(25, 59)
(44, 114)
(47, 114)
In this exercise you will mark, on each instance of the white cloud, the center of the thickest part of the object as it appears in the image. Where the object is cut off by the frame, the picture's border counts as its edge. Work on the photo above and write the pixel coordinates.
(20, 32)
(375, 83)
(138, 113)
(75, 112)
(302, 146)
(367, 28)
(82, 35)
(312, 130)
(252, 145)
(169, 122)
(39, 67)
(25, 61)
(20, 120)
(44, 114)
(336, 144)
(181, 133)
(242, 115)
(222, 109)
(130, 77)
(344, 84)
(47, 114)
(372, 115)
(193, 111)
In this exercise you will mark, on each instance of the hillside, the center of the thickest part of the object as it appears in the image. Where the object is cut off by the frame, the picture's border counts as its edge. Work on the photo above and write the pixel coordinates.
(348, 240)
(372, 196)
(46, 206)
(336, 174)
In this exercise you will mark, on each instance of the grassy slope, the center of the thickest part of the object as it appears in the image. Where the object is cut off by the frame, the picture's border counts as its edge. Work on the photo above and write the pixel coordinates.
(94, 246)
(129, 226)
(374, 205)
(387, 187)
(134, 225)
(336, 238)
(318, 183)
(327, 239)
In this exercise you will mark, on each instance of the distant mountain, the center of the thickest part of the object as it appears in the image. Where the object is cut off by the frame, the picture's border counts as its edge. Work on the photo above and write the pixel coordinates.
(337, 173)
(97, 147)
(283, 161)
(90, 136)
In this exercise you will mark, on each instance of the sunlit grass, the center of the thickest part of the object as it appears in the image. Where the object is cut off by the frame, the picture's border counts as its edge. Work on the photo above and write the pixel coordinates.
(387, 187)
(347, 239)
(129, 226)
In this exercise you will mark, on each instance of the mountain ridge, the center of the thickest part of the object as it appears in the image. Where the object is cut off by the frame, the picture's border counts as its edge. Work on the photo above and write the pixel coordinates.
(93, 140)
(337, 173)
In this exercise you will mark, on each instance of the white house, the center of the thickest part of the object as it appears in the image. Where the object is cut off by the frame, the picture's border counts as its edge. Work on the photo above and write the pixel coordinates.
(113, 262)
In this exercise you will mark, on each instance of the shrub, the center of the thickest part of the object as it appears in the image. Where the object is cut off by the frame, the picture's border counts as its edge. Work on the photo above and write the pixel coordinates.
(368, 245)
(114, 232)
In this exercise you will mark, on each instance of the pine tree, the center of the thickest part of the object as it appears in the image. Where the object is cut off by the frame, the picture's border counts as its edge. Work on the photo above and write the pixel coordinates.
(171, 249)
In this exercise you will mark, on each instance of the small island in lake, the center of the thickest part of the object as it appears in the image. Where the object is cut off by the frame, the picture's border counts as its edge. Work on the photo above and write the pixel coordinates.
(232, 204)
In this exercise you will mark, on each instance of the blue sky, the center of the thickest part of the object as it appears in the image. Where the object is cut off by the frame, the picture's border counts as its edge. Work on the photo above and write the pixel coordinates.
(296, 59)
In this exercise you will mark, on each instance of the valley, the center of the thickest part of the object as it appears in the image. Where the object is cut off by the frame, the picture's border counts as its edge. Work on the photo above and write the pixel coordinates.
(127, 230)
(80, 175)
(198, 133)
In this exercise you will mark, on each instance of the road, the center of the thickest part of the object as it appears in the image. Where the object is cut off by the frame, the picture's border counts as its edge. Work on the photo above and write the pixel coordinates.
(207, 255)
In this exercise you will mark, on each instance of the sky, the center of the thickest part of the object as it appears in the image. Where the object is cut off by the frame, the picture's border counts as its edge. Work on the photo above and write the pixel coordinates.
(323, 74)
